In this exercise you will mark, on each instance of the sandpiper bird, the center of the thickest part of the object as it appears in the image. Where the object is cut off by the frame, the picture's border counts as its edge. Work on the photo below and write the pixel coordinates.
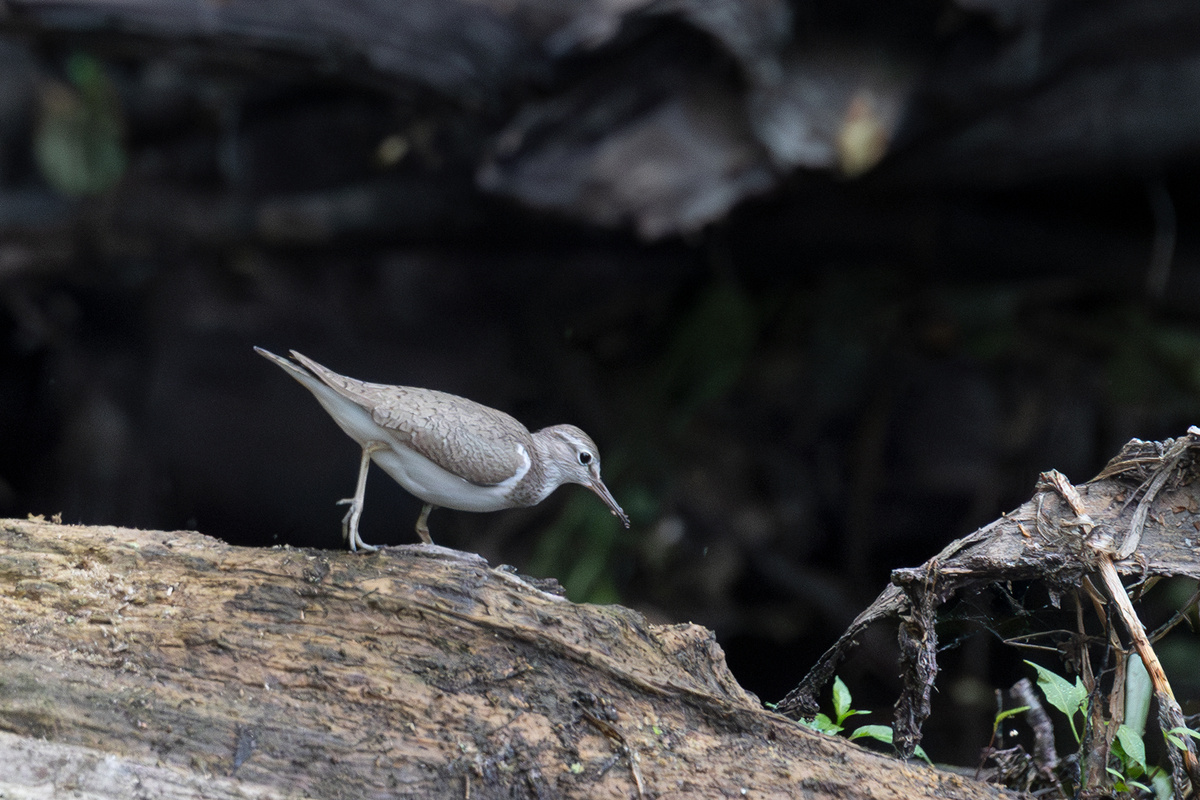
(447, 450)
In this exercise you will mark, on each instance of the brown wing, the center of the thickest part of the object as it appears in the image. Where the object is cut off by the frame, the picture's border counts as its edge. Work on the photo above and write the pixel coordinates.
(477, 443)
(471, 440)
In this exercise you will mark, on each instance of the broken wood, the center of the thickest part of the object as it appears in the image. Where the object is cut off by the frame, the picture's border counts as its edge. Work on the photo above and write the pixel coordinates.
(1064, 536)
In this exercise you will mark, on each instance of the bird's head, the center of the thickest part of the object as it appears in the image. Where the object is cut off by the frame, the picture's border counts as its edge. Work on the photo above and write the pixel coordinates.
(573, 456)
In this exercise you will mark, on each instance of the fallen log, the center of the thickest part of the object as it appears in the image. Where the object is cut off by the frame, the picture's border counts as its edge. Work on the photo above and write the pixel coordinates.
(145, 663)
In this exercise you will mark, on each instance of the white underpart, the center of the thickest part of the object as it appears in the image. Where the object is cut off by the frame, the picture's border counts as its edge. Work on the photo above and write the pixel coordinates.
(416, 473)
(433, 484)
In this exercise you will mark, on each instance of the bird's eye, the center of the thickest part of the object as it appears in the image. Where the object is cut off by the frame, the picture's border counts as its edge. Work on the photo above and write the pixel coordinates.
(585, 457)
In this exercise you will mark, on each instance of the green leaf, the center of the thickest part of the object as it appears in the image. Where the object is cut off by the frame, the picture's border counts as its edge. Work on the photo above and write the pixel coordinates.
(1059, 692)
(882, 733)
(1124, 784)
(822, 724)
(1173, 736)
(1132, 745)
(841, 698)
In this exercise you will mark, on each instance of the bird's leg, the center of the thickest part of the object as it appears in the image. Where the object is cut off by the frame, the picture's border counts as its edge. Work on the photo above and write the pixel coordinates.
(350, 521)
(423, 523)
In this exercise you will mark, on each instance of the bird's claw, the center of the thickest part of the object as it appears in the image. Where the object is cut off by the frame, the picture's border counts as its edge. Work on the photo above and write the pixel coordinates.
(350, 526)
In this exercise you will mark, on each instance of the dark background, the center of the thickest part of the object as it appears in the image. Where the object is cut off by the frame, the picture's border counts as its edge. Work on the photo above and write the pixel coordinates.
(829, 283)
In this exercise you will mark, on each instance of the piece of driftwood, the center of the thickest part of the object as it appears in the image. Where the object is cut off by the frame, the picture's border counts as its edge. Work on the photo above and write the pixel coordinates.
(142, 663)
(1144, 504)
(659, 137)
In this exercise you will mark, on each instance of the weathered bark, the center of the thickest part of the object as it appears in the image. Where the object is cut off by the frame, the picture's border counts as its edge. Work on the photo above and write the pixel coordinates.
(173, 664)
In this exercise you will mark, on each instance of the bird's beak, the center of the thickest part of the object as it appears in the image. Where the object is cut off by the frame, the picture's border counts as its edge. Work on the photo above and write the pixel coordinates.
(604, 494)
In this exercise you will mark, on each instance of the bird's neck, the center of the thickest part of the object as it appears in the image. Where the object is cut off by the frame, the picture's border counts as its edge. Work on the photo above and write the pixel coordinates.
(543, 476)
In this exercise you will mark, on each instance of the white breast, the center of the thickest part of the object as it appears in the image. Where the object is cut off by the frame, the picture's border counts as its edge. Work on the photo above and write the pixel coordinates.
(431, 483)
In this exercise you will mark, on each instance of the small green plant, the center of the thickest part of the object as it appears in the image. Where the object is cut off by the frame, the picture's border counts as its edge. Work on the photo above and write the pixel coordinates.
(842, 711)
(1129, 748)
(1173, 736)
(1069, 698)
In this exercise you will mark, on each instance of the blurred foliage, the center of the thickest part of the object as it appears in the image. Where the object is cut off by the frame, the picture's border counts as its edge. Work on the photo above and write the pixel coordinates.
(707, 351)
(844, 324)
(578, 548)
(79, 143)
(582, 544)
(1152, 360)
(1146, 360)
(986, 321)
(822, 347)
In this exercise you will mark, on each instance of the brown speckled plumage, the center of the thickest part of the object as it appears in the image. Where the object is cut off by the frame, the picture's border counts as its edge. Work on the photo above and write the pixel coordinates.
(475, 442)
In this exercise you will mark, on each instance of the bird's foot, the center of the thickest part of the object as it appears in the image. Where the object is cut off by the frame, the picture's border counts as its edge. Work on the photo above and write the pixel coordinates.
(350, 526)
(356, 544)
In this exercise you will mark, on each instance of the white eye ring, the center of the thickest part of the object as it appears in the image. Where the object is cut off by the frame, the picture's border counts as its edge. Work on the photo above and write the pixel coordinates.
(585, 457)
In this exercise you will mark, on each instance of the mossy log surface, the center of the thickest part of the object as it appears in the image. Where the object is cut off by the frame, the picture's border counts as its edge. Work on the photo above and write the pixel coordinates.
(144, 663)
